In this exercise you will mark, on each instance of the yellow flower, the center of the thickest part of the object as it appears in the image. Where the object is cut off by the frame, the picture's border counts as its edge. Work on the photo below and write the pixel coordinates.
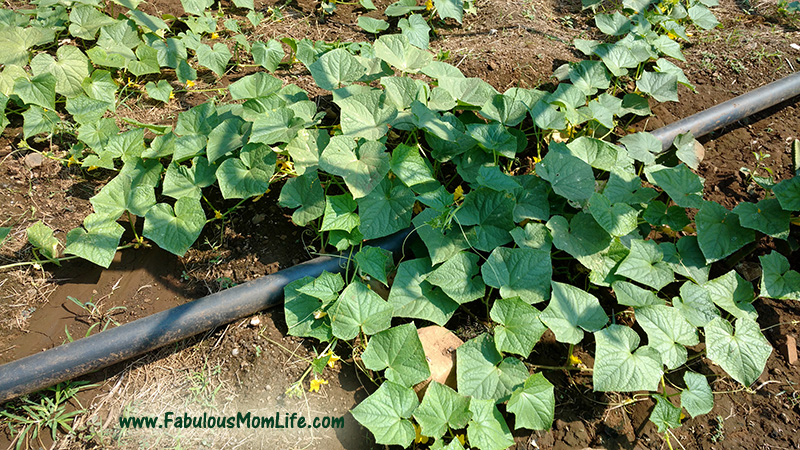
(91, 168)
(420, 438)
(316, 383)
(72, 160)
(574, 360)
(332, 361)
(171, 95)
(458, 194)
(189, 84)
(428, 5)
(683, 416)
(671, 35)
(214, 35)
(217, 215)
(319, 314)
(461, 439)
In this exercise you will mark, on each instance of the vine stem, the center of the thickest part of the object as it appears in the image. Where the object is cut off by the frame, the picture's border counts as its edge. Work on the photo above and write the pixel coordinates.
(573, 368)
(56, 260)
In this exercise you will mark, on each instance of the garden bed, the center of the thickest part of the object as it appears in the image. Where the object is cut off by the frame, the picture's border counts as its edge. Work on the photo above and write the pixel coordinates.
(251, 364)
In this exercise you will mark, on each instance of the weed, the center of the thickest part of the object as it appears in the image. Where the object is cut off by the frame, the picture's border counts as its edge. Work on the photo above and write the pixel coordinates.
(707, 61)
(718, 434)
(567, 21)
(95, 314)
(203, 389)
(28, 418)
(443, 55)
(225, 283)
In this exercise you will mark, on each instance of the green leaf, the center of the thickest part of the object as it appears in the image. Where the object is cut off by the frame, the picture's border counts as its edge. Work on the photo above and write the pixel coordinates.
(778, 281)
(225, 138)
(247, 4)
(613, 24)
(583, 237)
(325, 287)
(487, 430)
(686, 149)
(276, 126)
(668, 332)
(41, 237)
(416, 29)
(631, 295)
(658, 214)
(97, 242)
(412, 169)
(300, 311)
(642, 147)
(4, 232)
(732, 293)
(665, 415)
(335, 68)
(375, 262)
(305, 149)
(531, 198)
(695, 305)
(269, 55)
(367, 4)
(742, 354)
(120, 195)
(662, 86)
(788, 193)
(702, 17)
(398, 52)
(491, 213)
(175, 231)
(645, 264)
(400, 352)
(533, 404)
(442, 407)
(458, 278)
(37, 120)
(147, 22)
(366, 114)
(589, 76)
(196, 7)
(570, 310)
(69, 71)
(362, 166)
(687, 259)
(38, 90)
(617, 367)
(600, 154)
(385, 210)
(569, 176)
(100, 86)
(618, 219)
(385, 413)
(449, 8)
(441, 243)
(697, 398)
(679, 182)
(370, 25)
(519, 327)
(412, 296)
(765, 216)
(187, 181)
(147, 61)
(482, 372)
(719, 233)
(359, 309)
(215, 59)
(199, 120)
(85, 21)
(340, 213)
(305, 193)
(635, 104)
(494, 137)
(617, 57)
(402, 7)
(519, 272)
(160, 91)
(249, 174)
(255, 85)
(14, 45)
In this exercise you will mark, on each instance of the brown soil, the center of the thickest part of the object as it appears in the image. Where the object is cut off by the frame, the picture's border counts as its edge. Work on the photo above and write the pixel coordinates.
(249, 367)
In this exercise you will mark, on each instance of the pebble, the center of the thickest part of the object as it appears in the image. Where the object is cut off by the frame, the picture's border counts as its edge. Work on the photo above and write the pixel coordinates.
(255, 321)
(235, 352)
(34, 160)
(789, 349)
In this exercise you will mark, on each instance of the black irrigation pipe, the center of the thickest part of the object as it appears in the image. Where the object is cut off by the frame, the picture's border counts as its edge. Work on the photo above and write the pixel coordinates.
(118, 344)
(115, 345)
(731, 111)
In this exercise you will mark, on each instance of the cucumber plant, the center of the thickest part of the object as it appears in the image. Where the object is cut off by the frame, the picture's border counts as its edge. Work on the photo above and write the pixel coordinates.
(530, 203)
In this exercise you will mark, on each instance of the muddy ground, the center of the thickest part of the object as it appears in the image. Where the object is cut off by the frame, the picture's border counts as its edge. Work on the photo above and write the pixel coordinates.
(250, 364)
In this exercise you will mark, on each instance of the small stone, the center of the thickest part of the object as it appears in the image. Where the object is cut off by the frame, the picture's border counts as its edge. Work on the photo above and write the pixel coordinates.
(235, 351)
(789, 349)
(258, 218)
(255, 321)
(34, 160)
